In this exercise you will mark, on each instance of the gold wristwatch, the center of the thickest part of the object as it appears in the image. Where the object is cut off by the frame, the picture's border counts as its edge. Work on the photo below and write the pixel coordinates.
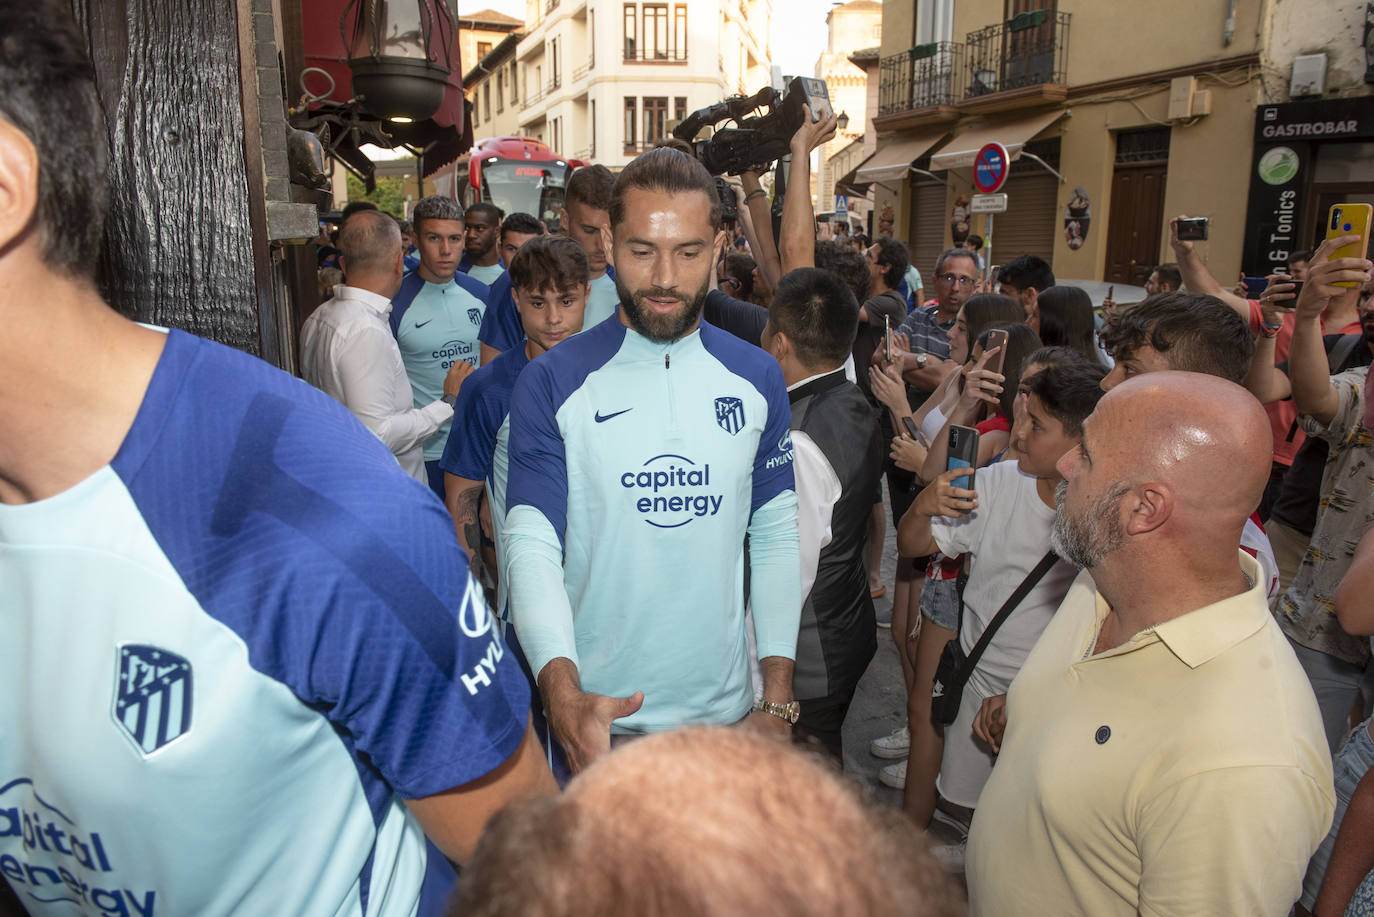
(790, 712)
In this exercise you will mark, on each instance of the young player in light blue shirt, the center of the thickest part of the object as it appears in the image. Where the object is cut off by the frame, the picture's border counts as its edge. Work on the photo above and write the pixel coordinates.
(437, 314)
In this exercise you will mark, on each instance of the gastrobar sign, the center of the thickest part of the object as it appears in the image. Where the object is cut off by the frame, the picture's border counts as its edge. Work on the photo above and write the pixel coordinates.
(1285, 140)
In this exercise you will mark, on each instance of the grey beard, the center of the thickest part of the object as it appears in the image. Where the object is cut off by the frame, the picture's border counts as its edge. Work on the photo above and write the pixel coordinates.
(1085, 542)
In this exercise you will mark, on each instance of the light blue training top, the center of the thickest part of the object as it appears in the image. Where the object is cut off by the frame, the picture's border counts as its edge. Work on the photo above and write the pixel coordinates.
(636, 470)
(229, 656)
(436, 325)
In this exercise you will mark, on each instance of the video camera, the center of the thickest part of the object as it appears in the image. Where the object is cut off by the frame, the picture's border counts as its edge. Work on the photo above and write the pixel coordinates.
(755, 141)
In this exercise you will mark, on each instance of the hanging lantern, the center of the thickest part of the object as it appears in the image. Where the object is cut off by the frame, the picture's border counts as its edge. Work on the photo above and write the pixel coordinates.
(401, 55)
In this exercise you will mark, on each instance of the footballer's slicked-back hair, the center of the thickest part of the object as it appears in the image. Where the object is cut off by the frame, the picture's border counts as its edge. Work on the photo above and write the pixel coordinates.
(667, 171)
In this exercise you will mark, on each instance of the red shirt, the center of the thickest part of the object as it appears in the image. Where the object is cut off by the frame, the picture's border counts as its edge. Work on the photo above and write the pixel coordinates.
(1283, 415)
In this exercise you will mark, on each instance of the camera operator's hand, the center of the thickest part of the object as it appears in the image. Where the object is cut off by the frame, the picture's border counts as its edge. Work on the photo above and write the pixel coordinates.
(813, 133)
(1322, 275)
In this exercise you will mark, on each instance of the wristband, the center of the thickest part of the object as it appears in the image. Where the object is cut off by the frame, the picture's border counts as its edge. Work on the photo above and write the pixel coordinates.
(757, 192)
(1270, 331)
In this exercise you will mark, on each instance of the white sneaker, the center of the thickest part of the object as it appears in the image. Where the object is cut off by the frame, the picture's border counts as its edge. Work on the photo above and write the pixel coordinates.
(893, 775)
(896, 745)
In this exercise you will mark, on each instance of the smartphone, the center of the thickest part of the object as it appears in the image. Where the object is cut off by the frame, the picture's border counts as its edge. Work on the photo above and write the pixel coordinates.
(1193, 229)
(1111, 293)
(1346, 220)
(963, 453)
(1297, 291)
(996, 338)
(887, 337)
(1254, 286)
(911, 429)
(994, 277)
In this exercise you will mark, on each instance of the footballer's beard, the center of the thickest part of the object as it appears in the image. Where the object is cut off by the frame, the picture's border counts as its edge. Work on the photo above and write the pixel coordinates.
(662, 327)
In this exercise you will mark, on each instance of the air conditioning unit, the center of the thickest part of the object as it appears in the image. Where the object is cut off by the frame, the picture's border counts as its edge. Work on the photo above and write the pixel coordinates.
(1309, 75)
(1181, 90)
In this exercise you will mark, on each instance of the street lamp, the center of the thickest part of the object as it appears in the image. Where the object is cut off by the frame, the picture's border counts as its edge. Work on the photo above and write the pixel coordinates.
(400, 55)
(843, 121)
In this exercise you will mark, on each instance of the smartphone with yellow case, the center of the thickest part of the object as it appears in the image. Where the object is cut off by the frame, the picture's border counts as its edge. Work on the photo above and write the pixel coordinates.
(1347, 220)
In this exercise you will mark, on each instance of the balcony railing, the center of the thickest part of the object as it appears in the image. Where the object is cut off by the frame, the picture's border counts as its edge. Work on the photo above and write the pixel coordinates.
(550, 6)
(652, 56)
(533, 100)
(924, 76)
(1029, 49)
(1026, 50)
(553, 85)
(582, 71)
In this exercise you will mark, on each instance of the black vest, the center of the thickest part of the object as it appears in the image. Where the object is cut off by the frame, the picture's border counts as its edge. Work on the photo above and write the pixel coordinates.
(838, 633)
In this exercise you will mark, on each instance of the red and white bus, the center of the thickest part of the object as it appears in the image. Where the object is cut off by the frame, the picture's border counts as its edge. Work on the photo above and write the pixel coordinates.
(517, 174)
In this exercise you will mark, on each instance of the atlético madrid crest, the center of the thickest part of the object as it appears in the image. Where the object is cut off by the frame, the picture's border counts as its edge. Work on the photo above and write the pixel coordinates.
(730, 414)
(152, 696)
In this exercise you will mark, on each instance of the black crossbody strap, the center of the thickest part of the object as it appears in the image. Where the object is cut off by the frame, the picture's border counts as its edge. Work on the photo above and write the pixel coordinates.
(1007, 608)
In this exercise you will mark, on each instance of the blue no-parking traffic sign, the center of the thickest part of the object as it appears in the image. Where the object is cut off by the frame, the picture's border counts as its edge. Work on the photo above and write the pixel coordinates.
(990, 167)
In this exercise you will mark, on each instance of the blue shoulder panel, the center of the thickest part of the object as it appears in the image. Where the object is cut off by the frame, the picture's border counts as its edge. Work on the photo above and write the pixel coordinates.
(538, 474)
(355, 596)
(483, 403)
(411, 285)
(472, 285)
(501, 327)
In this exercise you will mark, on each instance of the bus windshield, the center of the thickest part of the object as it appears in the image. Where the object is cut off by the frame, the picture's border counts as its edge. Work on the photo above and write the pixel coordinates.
(535, 188)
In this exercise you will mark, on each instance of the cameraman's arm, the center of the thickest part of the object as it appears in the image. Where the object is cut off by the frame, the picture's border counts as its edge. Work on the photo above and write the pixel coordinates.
(798, 244)
(760, 224)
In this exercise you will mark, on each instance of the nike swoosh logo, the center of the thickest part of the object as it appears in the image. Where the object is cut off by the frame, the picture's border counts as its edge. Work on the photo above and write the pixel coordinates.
(423, 323)
(602, 418)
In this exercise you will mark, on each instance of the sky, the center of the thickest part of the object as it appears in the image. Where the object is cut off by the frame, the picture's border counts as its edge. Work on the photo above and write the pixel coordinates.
(795, 49)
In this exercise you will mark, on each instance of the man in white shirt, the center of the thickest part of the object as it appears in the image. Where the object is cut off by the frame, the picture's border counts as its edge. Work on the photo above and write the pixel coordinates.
(347, 350)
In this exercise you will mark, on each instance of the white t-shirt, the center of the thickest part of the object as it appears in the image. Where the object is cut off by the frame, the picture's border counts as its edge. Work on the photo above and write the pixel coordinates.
(1006, 537)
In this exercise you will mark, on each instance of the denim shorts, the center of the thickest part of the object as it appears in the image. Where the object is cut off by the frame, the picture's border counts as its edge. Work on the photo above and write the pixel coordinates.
(1354, 758)
(940, 602)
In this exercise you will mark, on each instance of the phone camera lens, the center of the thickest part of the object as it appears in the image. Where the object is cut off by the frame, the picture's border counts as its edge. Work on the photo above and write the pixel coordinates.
(1347, 227)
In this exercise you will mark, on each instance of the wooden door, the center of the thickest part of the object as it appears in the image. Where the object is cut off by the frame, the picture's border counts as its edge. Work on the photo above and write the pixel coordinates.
(1135, 227)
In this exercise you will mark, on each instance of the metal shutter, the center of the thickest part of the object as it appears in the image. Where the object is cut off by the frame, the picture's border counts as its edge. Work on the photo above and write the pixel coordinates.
(1031, 221)
(926, 230)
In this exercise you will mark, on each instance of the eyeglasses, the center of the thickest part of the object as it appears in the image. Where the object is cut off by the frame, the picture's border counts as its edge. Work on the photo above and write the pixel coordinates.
(959, 279)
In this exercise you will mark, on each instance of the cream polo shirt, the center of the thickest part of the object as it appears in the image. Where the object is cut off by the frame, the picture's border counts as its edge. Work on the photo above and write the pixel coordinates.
(1184, 772)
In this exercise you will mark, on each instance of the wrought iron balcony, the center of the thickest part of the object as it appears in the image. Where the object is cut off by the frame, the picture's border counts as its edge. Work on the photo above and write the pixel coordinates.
(921, 77)
(582, 71)
(531, 101)
(1026, 51)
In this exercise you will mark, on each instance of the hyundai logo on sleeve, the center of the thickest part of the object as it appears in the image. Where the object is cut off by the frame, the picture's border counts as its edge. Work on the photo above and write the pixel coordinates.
(152, 696)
